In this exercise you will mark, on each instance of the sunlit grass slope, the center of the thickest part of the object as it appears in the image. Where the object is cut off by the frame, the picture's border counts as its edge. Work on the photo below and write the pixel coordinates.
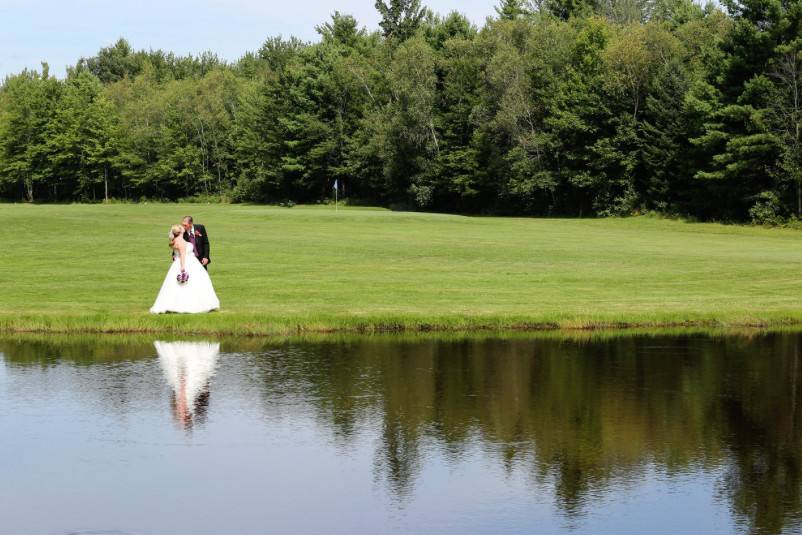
(280, 270)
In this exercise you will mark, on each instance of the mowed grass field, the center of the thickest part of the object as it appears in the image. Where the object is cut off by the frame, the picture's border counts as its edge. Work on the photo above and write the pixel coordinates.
(303, 269)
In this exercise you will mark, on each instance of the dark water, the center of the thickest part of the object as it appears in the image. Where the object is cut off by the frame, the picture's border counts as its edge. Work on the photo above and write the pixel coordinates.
(647, 434)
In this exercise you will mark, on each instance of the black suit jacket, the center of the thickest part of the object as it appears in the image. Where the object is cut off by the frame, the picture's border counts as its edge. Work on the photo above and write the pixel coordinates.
(201, 242)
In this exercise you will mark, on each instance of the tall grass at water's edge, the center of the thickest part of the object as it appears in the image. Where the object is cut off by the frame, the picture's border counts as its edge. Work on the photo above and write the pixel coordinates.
(243, 325)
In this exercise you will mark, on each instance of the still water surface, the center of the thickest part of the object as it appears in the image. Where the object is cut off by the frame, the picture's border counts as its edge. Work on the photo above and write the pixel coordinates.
(645, 434)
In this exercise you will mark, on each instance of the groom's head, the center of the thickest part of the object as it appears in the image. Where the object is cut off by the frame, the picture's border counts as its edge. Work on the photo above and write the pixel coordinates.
(187, 222)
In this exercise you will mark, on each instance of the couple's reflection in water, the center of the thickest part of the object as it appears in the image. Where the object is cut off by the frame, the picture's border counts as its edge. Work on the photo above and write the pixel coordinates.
(188, 368)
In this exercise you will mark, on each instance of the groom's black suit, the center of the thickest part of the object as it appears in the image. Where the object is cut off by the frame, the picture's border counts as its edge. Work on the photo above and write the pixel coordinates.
(201, 242)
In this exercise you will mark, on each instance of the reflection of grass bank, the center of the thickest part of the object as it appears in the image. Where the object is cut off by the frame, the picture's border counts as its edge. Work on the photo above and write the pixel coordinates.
(94, 268)
(104, 347)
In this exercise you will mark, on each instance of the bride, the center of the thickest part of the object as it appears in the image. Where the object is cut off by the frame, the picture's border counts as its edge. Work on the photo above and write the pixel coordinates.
(187, 287)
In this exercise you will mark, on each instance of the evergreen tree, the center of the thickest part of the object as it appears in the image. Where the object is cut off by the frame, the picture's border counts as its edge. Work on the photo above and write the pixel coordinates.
(567, 9)
(664, 180)
(511, 9)
(113, 63)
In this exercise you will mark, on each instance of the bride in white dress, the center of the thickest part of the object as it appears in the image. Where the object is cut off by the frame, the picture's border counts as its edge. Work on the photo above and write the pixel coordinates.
(193, 296)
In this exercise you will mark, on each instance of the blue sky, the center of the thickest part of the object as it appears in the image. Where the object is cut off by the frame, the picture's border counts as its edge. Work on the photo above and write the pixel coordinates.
(60, 32)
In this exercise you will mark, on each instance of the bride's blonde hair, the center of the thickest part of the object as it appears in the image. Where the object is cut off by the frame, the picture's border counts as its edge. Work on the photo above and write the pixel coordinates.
(175, 231)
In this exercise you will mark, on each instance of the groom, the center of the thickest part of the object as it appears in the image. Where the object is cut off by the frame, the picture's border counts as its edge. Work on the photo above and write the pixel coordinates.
(196, 234)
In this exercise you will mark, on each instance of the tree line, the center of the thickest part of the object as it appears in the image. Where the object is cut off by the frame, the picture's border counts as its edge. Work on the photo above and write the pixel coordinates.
(554, 107)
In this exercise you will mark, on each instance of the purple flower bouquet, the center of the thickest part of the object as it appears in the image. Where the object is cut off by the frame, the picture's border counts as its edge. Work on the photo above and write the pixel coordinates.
(182, 277)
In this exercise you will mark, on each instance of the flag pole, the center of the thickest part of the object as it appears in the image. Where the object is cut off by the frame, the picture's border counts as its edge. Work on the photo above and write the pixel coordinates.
(335, 197)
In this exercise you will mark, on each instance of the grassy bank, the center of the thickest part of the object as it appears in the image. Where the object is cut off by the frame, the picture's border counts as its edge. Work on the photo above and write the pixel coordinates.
(94, 268)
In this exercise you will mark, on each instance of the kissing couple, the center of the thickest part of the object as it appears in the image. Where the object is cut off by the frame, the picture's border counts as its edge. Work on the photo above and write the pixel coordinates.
(187, 287)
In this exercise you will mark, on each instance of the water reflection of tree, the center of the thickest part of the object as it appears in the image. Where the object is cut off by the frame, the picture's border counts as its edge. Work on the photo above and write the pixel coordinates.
(79, 349)
(119, 356)
(580, 416)
(585, 416)
(765, 437)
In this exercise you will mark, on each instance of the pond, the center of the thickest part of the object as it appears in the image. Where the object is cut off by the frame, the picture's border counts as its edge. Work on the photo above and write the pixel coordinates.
(649, 433)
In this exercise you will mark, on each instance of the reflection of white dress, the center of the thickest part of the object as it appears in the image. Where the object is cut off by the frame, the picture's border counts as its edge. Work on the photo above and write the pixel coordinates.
(195, 295)
(188, 367)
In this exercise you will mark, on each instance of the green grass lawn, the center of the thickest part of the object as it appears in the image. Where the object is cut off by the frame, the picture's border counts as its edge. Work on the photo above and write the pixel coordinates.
(280, 270)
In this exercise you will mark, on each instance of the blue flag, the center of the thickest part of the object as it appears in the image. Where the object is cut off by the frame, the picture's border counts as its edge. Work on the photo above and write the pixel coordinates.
(335, 184)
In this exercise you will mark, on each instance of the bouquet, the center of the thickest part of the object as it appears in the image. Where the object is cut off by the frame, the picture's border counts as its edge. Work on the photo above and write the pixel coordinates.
(182, 277)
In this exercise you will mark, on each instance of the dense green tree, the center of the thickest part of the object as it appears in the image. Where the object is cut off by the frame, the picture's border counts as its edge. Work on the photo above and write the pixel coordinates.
(140, 107)
(278, 52)
(120, 60)
(27, 106)
(566, 9)
(438, 29)
(785, 117)
(511, 9)
(113, 63)
(411, 135)
(456, 180)
(400, 18)
(663, 179)
(746, 150)
(79, 138)
(579, 114)
(342, 30)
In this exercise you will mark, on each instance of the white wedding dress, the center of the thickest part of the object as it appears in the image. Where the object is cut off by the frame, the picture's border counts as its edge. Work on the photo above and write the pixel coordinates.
(192, 297)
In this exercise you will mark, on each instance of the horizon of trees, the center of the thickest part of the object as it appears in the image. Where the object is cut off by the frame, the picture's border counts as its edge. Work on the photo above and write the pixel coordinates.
(554, 107)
